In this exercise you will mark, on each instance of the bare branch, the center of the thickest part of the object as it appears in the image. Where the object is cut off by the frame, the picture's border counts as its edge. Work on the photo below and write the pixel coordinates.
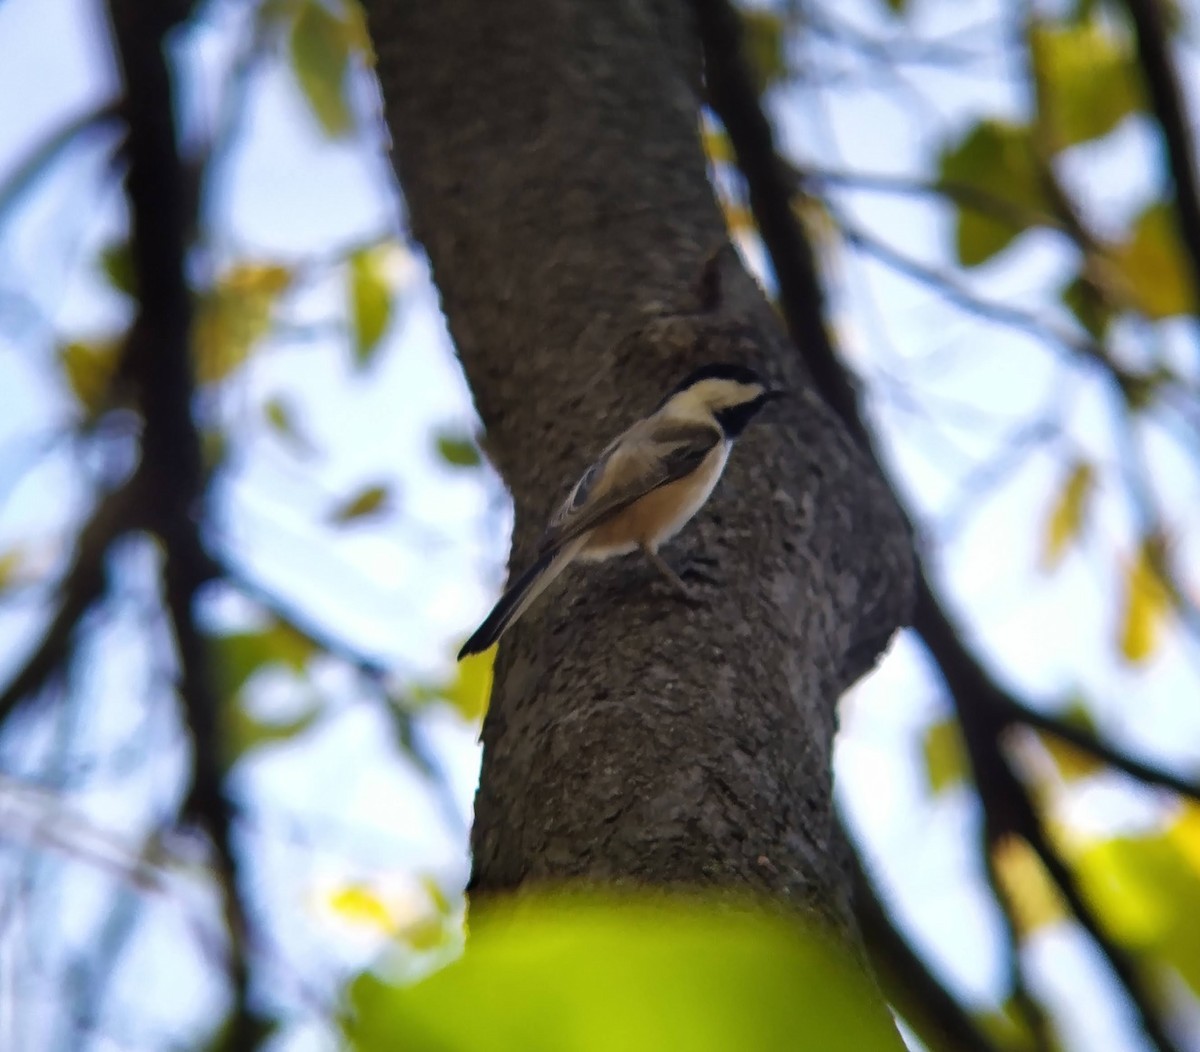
(117, 513)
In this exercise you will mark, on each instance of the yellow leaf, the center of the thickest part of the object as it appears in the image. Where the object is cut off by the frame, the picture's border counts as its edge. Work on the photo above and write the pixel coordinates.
(738, 218)
(320, 52)
(371, 500)
(234, 316)
(472, 687)
(1150, 268)
(945, 757)
(358, 904)
(370, 300)
(89, 368)
(10, 564)
(717, 147)
(1032, 897)
(1147, 601)
(1066, 517)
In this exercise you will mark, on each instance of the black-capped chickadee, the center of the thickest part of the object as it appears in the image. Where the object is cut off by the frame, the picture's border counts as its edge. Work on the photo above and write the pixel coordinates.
(643, 488)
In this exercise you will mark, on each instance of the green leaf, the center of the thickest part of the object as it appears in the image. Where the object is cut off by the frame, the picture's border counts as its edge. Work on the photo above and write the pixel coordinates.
(1091, 309)
(945, 756)
(1146, 889)
(240, 655)
(998, 159)
(1067, 513)
(11, 561)
(896, 6)
(234, 316)
(370, 300)
(1145, 605)
(1088, 79)
(458, 451)
(763, 38)
(116, 262)
(371, 500)
(89, 369)
(1150, 267)
(282, 421)
(471, 688)
(320, 53)
(243, 732)
(635, 975)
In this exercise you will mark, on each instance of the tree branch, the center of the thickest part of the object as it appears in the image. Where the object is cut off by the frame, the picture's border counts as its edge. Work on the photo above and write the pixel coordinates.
(1166, 96)
(978, 700)
(158, 360)
(116, 513)
(926, 1005)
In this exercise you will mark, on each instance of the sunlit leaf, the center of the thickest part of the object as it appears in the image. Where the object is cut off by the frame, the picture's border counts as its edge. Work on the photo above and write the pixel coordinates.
(764, 36)
(1067, 514)
(11, 561)
(1146, 601)
(1072, 762)
(116, 262)
(636, 976)
(282, 419)
(370, 296)
(1146, 889)
(244, 732)
(240, 655)
(1032, 896)
(234, 316)
(458, 451)
(371, 500)
(89, 369)
(1089, 80)
(1150, 266)
(320, 54)
(717, 147)
(996, 158)
(945, 757)
(360, 905)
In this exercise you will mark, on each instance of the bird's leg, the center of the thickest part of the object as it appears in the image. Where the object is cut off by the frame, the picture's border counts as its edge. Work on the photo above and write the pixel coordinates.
(670, 575)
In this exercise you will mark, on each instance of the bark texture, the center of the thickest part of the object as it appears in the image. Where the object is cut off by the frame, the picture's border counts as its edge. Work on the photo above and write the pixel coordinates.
(550, 158)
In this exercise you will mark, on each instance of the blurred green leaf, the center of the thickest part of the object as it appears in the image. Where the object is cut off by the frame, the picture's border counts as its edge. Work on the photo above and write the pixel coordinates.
(282, 420)
(717, 147)
(1146, 601)
(370, 300)
(116, 263)
(1089, 80)
(242, 732)
(240, 655)
(1033, 898)
(371, 500)
(1150, 266)
(1072, 763)
(1091, 309)
(593, 976)
(11, 561)
(89, 369)
(1147, 887)
(320, 53)
(896, 6)
(764, 34)
(945, 757)
(458, 451)
(996, 158)
(1067, 513)
(234, 316)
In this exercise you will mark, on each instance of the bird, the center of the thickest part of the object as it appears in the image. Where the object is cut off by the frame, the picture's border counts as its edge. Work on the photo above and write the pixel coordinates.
(642, 489)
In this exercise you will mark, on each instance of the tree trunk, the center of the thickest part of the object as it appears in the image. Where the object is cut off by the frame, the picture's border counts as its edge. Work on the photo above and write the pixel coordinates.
(551, 161)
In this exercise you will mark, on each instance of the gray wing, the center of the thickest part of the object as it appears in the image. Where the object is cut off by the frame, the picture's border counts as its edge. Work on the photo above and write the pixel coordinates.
(644, 458)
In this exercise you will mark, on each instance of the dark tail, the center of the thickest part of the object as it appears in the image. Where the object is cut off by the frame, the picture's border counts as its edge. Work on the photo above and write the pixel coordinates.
(513, 603)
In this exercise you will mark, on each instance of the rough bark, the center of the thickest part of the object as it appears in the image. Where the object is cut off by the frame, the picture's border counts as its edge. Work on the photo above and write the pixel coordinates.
(550, 159)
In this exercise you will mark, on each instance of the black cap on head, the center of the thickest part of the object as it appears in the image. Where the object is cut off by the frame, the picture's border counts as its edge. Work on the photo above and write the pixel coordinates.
(719, 371)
